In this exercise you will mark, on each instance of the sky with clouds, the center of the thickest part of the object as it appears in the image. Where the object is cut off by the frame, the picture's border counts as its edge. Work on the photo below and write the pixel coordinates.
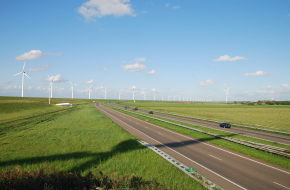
(187, 49)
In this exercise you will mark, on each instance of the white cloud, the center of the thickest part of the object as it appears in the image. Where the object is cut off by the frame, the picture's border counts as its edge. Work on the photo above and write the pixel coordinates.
(141, 59)
(284, 85)
(258, 73)
(227, 58)
(267, 87)
(176, 7)
(225, 84)
(101, 8)
(208, 82)
(90, 81)
(9, 82)
(59, 89)
(135, 67)
(34, 54)
(166, 5)
(105, 69)
(38, 69)
(288, 15)
(29, 88)
(153, 72)
(13, 87)
(56, 78)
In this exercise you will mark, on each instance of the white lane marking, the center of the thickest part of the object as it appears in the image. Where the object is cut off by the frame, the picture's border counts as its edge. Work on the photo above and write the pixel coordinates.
(178, 153)
(282, 185)
(159, 133)
(180, 142)
(209, 145)
(215, 157)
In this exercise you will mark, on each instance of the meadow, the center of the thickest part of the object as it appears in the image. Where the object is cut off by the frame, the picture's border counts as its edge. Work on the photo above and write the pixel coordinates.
(82, 139)
(264, 116)
(15, 107)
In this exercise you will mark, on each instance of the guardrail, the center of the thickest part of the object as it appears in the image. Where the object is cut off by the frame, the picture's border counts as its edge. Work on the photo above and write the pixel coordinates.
(205, 182)
(256, 128)
(272, 149)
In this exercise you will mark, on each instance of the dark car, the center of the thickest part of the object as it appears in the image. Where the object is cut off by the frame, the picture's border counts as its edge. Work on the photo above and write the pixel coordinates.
(135, 109)
(225, 125)
(150, 112)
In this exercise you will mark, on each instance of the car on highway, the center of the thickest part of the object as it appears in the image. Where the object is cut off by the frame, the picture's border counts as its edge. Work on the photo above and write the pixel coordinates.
(150, 112)
(225, 125)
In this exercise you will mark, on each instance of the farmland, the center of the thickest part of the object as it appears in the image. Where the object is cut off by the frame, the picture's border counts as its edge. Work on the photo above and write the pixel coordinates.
(264, 116)
(82, 139)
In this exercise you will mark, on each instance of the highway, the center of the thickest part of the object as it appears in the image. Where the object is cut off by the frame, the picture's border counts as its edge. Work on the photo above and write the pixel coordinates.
(236, 130)
(228, 169)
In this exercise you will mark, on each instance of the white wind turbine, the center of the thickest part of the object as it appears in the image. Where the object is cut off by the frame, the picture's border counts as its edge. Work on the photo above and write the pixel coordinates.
(120, 94)
(90, 89)
(49, 93)
(227, 95)
(72, 90)
(51, 81)
(272, 99)
(162, 97)
(23, 73)
(106, 93)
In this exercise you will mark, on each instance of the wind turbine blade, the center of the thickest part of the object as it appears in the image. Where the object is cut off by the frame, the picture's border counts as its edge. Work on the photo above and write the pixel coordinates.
(27, 76)
(23, 66)
(91, 86)
(17, 74)
(228, 88)
(70, 82)
(75, 84)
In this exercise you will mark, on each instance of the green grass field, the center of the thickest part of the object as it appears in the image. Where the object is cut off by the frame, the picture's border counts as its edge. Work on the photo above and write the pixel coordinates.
(263, 116)
(83, 139)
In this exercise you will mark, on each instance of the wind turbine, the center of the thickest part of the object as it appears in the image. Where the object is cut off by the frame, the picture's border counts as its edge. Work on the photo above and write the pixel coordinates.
(133, 95)
(51, 81)
(227, 95)
(23, 73)
(272, 99)
(168, 98)
(72, 90)
(90, 91)
(106, 93)
(162, 97)
(49, 93)
(179, 98)
(120, 94)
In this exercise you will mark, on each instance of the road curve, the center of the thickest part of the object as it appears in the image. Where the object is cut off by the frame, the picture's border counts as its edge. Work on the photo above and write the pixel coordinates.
(226, 168)
(236, 130)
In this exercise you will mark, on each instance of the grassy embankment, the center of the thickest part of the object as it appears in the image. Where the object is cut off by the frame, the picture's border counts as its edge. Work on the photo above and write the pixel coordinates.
(263, 116)
(83, 140)
(265, 156)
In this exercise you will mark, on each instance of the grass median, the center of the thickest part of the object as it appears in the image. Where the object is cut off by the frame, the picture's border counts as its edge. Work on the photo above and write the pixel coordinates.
(86, 140)
(265, 156)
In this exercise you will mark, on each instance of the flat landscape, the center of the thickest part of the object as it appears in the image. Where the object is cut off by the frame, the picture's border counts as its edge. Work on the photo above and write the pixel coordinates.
(82, 139)
(263, 116)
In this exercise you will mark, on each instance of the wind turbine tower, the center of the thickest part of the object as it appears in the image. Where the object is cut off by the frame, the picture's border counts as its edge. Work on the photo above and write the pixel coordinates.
(106, 93)
(227, 92)
(120, 94)
(72, 90)
(51, 81)
(23, 73)
(90, 91)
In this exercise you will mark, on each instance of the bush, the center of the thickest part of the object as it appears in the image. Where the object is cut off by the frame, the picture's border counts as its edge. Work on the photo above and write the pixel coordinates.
(46, 178)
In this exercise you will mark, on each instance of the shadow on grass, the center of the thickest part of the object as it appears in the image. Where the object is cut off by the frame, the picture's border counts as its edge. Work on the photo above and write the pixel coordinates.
(96, 158)
(190, 142)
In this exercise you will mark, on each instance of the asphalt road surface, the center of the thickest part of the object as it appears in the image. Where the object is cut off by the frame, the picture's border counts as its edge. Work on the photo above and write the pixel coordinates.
(236, 130)
(228, 169)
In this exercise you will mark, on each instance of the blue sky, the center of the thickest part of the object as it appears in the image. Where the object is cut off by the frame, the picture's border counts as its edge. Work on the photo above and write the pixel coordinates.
(193, 49)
